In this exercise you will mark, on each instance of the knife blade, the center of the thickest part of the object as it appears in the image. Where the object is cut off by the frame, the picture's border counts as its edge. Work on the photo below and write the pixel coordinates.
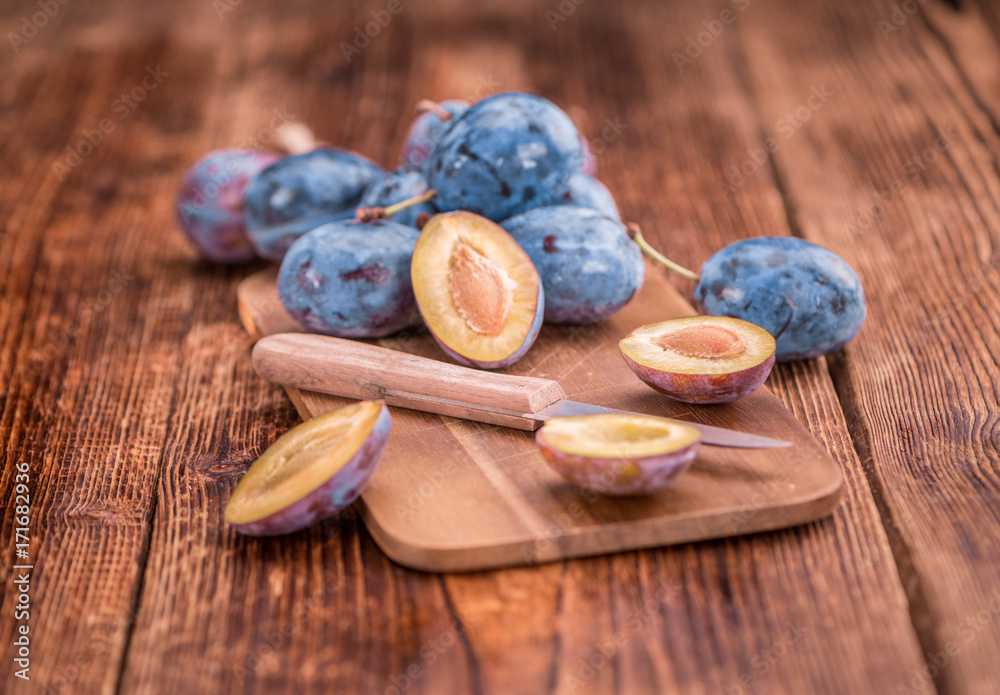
(362, 371)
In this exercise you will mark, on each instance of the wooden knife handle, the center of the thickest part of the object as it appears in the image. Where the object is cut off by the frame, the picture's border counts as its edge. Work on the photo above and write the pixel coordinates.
(358, 370)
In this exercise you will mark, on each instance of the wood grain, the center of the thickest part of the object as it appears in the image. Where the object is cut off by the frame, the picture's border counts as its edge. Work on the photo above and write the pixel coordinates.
(920, 385)
(144, 416)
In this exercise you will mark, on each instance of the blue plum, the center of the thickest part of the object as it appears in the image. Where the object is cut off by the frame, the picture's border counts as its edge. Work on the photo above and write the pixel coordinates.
(351, 279)
(503, 155)
(590, 268)
(588, 192)
(298, 193)
(210, 203)
(807, 297)
(396, 187)
(426, 132)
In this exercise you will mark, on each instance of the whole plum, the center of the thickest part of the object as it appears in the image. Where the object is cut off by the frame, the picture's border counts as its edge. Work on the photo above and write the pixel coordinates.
(298, 193)
(426, 131)
(396, 187)
(503, 155)
(210, 203)
(587, 192)
(351, 279)
(590, 268)
(807, 297)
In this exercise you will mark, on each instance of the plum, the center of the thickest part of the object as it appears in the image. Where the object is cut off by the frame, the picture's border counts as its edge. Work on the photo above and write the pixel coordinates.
(300, 192)
(396, 187)
(477, 290)
(427, 129)
(618, 453)
(587, 192)
(807, 297)
(351, 279)
(700, 359)
(312, 471)
(210, 203)
(589, 266)
(503, 155)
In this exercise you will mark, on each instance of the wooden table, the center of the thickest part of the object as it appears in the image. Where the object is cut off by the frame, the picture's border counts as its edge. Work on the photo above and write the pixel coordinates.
(871, 128)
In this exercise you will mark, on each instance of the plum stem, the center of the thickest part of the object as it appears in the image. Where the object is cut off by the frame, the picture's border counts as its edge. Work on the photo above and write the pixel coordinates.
(369, 213)
(295, 138)
(635, 234)
(426, 105)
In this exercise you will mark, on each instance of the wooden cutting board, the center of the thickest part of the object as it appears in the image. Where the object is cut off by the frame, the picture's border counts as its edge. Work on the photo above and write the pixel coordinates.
(454, 495)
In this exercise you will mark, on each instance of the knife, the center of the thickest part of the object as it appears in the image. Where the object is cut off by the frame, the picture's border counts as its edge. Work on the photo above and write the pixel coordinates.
(362, 371)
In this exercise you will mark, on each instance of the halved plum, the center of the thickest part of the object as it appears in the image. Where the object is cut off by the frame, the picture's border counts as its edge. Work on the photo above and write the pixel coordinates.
(477, 290)
(618, 454)
(701, 359)
(312, 471)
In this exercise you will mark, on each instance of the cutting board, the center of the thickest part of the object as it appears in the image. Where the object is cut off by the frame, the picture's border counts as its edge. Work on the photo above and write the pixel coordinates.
(454, 495)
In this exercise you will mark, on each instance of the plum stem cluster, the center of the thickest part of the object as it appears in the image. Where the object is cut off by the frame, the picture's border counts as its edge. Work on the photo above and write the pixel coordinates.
(426, 105)
(635, 234)
(369, 213)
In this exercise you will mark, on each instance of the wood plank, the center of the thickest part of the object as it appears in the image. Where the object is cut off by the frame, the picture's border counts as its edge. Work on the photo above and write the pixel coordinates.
(897, 172)
(326, 610)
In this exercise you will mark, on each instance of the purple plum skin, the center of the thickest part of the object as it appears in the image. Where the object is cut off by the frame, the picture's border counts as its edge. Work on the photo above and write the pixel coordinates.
(587, 192)
(611, 476)
(396, 187)
(351, 279)
(807, 297)
(426, 132)
(536, 327)
(702, 389)
(298, 193)
(210, 203)
(589, 266)
(589, 166)
(335, 494)
(505, 154)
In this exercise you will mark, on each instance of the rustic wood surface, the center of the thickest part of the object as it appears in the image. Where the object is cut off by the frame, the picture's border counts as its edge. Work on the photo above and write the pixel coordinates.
(127, 385)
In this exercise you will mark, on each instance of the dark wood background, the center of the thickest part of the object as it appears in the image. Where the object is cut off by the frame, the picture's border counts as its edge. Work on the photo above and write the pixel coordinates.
(126, 382)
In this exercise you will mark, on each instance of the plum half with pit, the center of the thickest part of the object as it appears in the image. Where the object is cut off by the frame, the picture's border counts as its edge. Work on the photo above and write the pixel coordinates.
(311, 472)
(503, 155)
(300, 192)
(700, 359)
(351, 279)
(806, 296)
(589, 266)
(618, 454)
(477, 290)
(210, 203)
